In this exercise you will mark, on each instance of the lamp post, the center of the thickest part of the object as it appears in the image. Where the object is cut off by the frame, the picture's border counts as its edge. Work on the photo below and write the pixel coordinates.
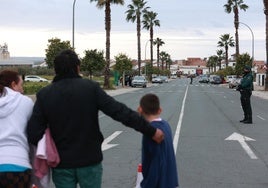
(73, 23)
(252, 35)
(145, 55)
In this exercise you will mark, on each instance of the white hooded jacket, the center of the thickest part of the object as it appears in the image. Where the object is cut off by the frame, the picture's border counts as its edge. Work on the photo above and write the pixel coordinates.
(15, 111)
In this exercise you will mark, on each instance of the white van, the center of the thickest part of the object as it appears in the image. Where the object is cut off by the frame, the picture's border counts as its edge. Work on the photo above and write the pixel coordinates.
(173, 76)
(230, 78)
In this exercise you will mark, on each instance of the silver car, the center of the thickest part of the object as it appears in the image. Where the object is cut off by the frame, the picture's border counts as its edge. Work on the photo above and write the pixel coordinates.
(139, 81)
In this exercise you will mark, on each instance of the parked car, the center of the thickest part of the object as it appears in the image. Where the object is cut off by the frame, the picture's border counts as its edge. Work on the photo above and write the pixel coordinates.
(229, 78)
(158, 80)
(203, 79)
(173, 76)
(216, 80)
(234, 82)
(164, 78)
(34, 78)
(139, 81)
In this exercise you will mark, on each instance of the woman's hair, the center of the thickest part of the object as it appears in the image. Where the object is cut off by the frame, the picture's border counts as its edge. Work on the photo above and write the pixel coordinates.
(66, 62)
(150, 104)
(6, 78)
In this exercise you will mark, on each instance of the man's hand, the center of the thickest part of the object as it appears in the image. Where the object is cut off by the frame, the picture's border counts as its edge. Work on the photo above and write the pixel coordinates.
(158, 136)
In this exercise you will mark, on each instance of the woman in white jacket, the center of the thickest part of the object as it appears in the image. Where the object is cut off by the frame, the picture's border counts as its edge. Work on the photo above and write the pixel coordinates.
(15, 111)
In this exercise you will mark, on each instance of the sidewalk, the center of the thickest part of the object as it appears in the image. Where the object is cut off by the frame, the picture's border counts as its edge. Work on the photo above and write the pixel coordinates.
(259, 92)
(120, 90)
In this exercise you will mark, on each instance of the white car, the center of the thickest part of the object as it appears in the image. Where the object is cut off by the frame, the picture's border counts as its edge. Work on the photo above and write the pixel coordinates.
(34, 78)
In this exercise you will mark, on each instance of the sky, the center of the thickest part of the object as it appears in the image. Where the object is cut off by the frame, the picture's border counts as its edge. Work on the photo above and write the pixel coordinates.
(189, 28)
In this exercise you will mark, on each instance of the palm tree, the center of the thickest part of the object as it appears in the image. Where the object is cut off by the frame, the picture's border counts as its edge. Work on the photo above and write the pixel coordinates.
(149, 21)
(158, 42)
(220, 55)
(134, 13)
(163, 57)
(107, 4)
(225, 41)
(265, 2)
(212, 62)
(234, 6)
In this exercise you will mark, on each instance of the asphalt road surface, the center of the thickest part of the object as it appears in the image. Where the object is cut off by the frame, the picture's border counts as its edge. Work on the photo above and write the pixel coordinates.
(213, 149)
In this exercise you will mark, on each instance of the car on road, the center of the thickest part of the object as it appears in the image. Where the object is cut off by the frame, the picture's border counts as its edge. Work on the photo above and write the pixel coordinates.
(158, 80)
(139, 81)
(203, 79)
(229, 78)
(215, 80)
(164, 78)
(34, 78)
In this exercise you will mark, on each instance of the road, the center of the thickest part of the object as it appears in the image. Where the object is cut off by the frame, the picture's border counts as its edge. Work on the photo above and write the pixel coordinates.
(213, 149)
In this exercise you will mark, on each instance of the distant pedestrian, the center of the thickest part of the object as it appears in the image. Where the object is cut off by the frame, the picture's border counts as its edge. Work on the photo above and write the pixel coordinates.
(245, 88)
(191, 77)
(159, 167)
(70, 106)
(15, 111)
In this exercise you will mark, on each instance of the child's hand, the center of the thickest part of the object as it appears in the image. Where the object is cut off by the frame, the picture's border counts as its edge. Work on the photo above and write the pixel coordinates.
(158, 136)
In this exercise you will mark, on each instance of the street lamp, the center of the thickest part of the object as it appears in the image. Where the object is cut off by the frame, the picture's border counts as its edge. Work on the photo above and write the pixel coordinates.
(145, 55)
(252, 35)
(73, 22)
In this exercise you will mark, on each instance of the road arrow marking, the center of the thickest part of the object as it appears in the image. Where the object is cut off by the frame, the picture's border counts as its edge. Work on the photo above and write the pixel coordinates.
(105, 145)
(242, 140)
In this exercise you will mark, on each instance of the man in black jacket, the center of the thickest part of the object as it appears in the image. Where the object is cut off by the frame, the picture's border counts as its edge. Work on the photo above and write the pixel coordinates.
(69, 107)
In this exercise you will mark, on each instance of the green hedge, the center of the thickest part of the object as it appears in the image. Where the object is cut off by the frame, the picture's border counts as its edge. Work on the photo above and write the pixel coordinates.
(31, 88)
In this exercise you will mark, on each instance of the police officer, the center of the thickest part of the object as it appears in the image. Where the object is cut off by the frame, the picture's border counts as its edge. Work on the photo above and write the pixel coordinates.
(245, 88)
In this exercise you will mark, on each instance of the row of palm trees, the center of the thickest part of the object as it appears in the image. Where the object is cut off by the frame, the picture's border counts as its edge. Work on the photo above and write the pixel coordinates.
(137, 12)
(226, 40)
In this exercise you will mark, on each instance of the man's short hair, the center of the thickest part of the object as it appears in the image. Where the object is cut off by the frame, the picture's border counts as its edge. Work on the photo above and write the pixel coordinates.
(66, 62)
(150, 104)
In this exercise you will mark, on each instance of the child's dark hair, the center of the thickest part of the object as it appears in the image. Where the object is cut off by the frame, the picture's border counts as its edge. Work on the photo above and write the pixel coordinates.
(150, 104)
(6, 78)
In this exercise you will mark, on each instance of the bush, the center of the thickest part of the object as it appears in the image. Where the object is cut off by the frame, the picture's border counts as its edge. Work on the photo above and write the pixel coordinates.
(31, 88)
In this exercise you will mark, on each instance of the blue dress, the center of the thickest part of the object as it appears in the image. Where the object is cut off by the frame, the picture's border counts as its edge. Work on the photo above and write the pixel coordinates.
(159, 167)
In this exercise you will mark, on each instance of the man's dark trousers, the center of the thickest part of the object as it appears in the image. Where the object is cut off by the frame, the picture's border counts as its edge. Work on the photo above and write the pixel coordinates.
(246, 105)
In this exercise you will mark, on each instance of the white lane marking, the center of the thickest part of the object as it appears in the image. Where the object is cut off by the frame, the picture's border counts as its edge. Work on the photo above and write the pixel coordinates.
(178, 129)
(261, 118)
(242, 140)
(105, 145)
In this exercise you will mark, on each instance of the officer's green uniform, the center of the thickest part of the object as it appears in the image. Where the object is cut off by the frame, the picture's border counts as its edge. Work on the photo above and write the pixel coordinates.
(245, 88)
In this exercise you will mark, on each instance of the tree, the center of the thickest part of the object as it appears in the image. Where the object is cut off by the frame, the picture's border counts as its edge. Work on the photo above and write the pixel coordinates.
(158, 42)
(234, 6)
(149, 21)
(163, 57)
(122, 63)
(107, 5)
(212, 62)
(93, 61)
(221, 56)
(265, 2)
(134, 13)
(225, 41)
(54, 47)
(241, 61)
